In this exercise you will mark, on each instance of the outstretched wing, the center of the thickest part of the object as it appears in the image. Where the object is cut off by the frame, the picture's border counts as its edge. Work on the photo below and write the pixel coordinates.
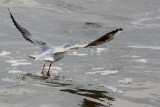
(107, 37)
(29, 37)
(103, 39)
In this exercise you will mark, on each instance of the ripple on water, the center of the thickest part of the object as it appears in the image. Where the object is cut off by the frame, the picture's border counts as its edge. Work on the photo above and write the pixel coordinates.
(146, 47)
(141, 60)
(99, 68)
(106, 72)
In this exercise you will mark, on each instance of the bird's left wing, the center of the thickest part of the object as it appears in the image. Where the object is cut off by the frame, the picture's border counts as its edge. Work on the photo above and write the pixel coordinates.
(29, 37)
(103, 39)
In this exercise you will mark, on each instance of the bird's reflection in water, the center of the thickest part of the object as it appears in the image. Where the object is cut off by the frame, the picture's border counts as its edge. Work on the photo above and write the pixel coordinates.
(92, 97)
(89, 103)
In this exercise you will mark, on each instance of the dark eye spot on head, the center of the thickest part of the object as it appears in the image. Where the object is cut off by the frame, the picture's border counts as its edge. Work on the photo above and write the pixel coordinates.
(43, 43)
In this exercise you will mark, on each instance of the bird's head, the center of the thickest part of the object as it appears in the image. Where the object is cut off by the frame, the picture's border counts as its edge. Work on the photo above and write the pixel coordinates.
(66, 45)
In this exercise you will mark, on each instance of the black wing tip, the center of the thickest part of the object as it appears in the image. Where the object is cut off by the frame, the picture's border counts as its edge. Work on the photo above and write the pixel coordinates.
(9, 11)
(31, 57)
(120, 29)
(11, 14)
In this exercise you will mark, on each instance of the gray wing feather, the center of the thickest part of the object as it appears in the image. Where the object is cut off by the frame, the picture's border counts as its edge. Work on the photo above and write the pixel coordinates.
(29, 37)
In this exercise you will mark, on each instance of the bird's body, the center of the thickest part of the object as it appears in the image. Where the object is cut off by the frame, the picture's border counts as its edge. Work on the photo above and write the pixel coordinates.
(55, 53)
(52, 55)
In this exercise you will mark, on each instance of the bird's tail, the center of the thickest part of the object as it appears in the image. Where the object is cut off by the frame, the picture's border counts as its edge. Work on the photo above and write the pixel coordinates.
(42, 58)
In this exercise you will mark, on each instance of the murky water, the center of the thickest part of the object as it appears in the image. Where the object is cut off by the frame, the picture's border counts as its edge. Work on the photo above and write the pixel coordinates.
(122, 72)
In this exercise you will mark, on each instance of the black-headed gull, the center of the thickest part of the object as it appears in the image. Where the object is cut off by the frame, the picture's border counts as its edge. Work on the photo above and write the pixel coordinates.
(55, 53)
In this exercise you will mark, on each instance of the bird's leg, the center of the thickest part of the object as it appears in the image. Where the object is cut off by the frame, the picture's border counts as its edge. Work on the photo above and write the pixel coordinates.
(47, 73)
(43, 67)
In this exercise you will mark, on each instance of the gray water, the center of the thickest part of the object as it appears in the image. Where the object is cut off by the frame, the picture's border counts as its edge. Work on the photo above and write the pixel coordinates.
(122, 72)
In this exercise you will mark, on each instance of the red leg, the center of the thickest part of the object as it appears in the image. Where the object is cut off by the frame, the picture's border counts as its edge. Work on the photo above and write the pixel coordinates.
(43, 67)
(47, 73)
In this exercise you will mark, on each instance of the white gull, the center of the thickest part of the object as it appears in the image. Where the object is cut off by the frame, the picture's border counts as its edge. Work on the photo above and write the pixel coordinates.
(55, 53)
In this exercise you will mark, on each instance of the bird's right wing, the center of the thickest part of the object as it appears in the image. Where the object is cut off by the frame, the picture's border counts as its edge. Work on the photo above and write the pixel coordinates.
(103, 39)
(29, 37)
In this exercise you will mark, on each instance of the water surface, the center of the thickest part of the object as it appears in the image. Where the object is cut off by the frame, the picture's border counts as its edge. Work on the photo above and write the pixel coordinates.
(124, 71)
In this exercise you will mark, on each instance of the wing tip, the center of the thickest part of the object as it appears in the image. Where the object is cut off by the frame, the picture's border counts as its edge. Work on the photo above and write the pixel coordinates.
(107, 37)
(31, 56)
(9, 11)
(120, 29)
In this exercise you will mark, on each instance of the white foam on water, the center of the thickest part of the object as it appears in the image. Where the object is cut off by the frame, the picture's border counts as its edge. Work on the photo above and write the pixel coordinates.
(98, 68)
(141, 60)
(150, 71)
(130, 56)
(77, 54)
(18, 62)
(4, 53)
(14, 71)
(113, 89)
(107, 72)
(126, 81)
(146, 47)
(134, 56)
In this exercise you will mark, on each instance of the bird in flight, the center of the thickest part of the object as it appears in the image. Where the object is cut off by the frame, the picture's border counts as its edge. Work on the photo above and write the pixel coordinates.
(51, 53)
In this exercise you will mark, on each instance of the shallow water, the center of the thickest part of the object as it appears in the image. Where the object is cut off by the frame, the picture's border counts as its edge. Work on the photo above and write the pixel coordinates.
(124, 71)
